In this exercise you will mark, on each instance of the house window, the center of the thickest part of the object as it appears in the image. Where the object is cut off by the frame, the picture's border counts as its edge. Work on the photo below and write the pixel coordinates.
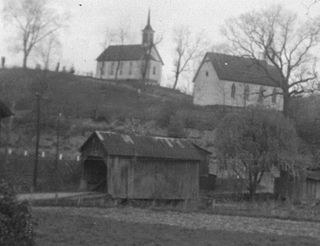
(120, 68)
(233, 90)
(112, 68)
(154, 70)
(260, 98)
(246, 93)
(274, 96)
(130, 68)
(102, 69)
(207, 73)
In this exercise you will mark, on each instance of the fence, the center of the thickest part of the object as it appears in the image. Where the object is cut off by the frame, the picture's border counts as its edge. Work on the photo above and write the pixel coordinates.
(18, 171)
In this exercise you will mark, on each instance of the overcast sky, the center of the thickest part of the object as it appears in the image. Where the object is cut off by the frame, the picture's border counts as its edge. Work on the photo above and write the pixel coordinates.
(89, 19)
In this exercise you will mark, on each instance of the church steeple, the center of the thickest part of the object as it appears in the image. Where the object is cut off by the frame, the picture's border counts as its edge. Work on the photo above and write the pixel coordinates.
(147, 33)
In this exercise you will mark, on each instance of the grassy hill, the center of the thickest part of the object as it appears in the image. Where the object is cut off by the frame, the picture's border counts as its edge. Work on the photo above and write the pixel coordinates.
(89, 104)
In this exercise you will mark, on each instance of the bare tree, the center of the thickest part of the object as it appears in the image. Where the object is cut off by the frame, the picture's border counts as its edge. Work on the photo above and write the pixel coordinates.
(119, 35)
(222, 48)
(188, 48)
(48, 49)
(34, 20)
(287, 44)
(122, 35)
(145, 66)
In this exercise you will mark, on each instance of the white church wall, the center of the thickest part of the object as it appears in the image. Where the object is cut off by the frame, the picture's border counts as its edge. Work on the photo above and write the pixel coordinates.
(253, 99)
(127, 70)
(210, 90)
(155, 71)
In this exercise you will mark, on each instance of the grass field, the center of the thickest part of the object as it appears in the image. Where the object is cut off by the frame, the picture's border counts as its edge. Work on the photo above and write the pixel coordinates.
(63, 227)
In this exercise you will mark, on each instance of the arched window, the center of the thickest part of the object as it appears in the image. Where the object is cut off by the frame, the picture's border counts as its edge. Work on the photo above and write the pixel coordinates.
(233, 90)
(112, 68)
(121, 68)
(130, 68)
(246, 93)
(274, 96)
(260, 98)
(154, 71)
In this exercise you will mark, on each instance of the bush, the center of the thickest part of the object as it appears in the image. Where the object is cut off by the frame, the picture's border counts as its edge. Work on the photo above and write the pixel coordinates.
(15, 219)
(176, 127)
(165, 114)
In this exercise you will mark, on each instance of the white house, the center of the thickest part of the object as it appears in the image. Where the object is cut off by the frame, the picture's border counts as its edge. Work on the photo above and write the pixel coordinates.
(132, 62)
(236, 81)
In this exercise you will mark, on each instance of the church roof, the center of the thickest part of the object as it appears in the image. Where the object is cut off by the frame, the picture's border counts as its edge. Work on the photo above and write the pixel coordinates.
(131, 52)
(242, 69)
(122, 53)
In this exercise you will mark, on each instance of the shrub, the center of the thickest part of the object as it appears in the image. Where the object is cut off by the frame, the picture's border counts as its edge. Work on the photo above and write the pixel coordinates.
(176, 127)
(15, 219)
(165, 114)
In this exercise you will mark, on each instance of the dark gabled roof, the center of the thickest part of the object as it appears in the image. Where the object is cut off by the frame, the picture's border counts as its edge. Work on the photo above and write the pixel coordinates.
(313, 175)
(242, 69)
(4, 111)
(123, 53)
(131, 52)
(146, 146)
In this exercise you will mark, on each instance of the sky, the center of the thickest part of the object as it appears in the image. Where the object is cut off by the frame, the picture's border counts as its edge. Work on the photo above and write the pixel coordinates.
(82, 39)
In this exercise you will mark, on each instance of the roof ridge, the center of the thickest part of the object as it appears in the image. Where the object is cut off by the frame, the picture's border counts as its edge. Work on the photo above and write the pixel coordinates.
(235, 56)
(139, 135)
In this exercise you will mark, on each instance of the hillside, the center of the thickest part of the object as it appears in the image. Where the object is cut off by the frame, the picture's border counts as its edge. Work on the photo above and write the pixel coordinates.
(88, 104)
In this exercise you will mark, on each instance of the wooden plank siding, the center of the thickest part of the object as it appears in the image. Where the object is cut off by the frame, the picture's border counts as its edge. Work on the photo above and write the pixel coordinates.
(312, 189)
(152, 179)
(142, 177)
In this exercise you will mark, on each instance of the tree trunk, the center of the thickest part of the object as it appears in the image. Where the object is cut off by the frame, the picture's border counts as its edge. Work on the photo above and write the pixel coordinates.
(286, 104)
(25, 59)
(117, 70)
(176, 81)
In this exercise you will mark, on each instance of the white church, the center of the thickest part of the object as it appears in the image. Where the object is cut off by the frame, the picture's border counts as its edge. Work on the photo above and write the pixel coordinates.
(236, 81)
(132, 62)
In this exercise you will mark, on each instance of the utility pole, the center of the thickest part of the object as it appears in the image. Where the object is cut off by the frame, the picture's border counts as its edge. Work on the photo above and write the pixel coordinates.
(57, 151)
(36, 159)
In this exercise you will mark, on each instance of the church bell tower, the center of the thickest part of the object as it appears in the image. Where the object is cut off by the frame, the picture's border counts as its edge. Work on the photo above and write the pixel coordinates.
(147, 33)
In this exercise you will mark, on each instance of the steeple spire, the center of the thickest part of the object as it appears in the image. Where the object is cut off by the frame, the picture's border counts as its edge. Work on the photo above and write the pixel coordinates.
(147, 32)
(148, 22)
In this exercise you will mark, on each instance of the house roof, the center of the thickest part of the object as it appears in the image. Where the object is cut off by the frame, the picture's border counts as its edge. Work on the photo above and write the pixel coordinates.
(242, 69)
(4, 111)
(314, 175)
(146, 146)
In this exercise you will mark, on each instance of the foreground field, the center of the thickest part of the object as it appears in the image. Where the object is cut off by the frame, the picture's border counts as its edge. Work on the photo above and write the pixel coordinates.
(127, 226)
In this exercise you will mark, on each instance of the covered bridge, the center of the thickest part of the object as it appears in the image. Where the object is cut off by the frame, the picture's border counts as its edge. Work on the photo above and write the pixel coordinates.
(141, 167)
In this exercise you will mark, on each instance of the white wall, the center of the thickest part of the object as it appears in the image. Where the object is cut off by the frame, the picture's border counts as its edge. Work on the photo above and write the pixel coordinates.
(210, 90)
(135, 74)
(122, 74)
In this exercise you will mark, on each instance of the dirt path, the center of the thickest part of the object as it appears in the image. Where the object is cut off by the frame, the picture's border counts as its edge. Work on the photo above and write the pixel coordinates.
(201, 221)
(50, 195)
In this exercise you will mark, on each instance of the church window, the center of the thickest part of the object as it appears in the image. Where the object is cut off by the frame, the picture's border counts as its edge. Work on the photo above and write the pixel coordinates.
(261, 97)
(112, 68)
(274, 96)
(207, 73)
(246, 92)
(102, 69)
(121, 68)
(233, 90)
(130, 68)
(154, 70)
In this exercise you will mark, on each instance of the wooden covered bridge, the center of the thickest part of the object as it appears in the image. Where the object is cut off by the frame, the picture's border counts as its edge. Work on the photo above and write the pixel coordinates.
(141, 167)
